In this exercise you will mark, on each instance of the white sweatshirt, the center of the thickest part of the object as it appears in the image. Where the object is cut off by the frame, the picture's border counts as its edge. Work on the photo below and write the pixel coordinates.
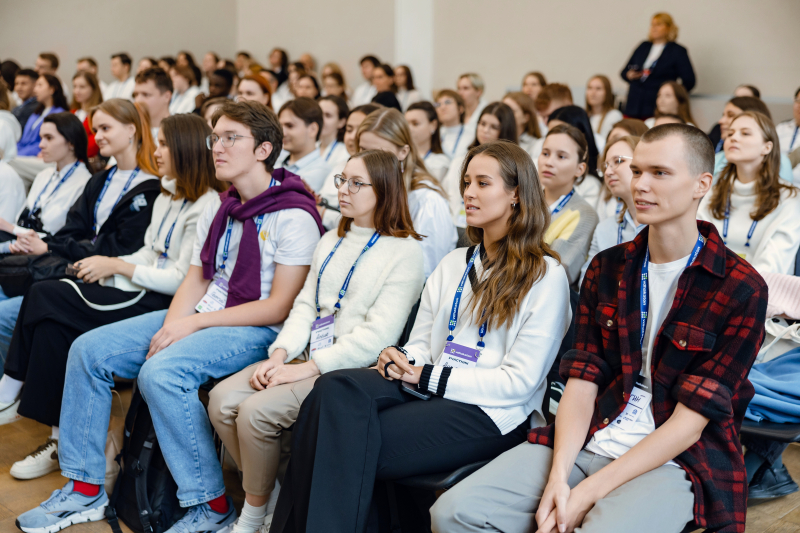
(509, 380)
(385, 286)
(166, 280)
(773, 247)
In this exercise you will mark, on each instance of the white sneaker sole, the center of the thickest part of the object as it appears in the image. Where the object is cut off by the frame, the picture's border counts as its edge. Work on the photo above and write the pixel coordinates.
(9, 414)
(32, 473)
(92, 515)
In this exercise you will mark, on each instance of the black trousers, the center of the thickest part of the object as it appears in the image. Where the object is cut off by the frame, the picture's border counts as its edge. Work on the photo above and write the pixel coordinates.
(356, 428)
(52, 316)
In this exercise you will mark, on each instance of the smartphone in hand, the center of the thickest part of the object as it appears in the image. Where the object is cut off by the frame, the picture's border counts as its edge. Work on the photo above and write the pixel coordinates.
(71, 270)
(413, 390)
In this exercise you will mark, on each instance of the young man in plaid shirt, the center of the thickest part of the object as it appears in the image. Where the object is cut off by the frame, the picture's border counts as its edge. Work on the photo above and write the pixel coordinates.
(647, 432)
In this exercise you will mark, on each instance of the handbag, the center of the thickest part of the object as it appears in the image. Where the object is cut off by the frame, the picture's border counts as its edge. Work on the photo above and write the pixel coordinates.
(19, 272)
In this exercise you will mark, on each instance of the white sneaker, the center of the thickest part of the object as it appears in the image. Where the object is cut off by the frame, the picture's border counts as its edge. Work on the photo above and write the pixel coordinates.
(267, 524)
(39, 463)
(8, 412)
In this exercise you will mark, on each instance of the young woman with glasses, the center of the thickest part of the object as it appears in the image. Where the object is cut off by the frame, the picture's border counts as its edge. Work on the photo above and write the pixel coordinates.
(617, 176)
(365, 277)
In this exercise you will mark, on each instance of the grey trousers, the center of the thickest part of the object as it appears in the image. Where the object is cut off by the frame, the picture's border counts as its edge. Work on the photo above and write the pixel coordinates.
(504, 496)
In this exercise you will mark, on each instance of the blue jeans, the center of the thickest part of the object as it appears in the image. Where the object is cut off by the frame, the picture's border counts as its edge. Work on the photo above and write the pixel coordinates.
(9, 311)
(168, 382)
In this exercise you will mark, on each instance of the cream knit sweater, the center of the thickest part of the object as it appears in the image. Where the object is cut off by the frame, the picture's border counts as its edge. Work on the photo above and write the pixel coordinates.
(387, 282)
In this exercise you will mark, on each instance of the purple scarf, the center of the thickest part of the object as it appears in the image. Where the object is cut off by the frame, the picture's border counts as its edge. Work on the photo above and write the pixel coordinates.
(245, 282)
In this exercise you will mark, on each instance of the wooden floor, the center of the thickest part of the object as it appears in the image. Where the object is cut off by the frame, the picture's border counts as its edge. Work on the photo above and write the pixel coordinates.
(17, 439)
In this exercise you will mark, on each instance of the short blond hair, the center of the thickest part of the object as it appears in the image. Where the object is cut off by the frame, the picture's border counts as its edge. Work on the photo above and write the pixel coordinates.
(666, 18)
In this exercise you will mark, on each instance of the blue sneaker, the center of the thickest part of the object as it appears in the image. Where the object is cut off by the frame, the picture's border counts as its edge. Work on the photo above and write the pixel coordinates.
(62, 509)
(202, 519)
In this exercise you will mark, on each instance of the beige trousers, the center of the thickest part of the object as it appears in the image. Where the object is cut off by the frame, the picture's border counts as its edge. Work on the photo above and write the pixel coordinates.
(250, 424)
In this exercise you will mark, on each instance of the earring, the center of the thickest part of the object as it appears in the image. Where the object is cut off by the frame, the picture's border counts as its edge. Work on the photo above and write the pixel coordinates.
(513, 205)
(402, 166)
(130, 141)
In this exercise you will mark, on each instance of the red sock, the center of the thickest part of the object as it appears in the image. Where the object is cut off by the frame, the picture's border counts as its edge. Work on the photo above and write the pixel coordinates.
(87, 489)
(219, 505)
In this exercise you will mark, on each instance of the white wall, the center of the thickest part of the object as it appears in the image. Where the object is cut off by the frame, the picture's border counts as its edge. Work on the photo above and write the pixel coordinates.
(99, 28)
(729, 41)
(341, 31)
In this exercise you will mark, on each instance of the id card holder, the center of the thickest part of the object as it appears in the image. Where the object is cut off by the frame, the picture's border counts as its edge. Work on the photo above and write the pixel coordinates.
(462, 216)
(639, 400)
(215, 298)
(162, 261)
(322, 333)
(458, 356)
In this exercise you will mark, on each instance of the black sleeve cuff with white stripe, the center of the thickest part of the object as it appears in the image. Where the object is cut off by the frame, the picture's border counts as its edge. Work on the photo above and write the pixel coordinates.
(434, 379)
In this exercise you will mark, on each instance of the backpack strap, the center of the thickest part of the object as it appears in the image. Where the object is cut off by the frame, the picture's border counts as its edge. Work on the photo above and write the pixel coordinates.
(139, 469)
(130, 418)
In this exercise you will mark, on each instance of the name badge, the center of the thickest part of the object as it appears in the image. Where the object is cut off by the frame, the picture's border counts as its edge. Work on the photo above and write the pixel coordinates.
(639, 401)
(458, 356)
(462, 216)
(216, 297)
(162, 261)
(322, 333)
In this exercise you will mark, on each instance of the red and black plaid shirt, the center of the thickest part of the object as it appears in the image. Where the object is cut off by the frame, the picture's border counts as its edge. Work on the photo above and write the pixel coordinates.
(701, 357)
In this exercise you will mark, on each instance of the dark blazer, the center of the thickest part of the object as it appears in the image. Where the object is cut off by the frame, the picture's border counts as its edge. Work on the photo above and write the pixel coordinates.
(673, 64)
(121, 234)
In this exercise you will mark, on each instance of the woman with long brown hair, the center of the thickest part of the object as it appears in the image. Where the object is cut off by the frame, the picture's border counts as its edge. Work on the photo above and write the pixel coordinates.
(600, 107)
(86, 95)
(387, 129)
(489, 326)
(53, 313)
(376, 254)
(672, 99)
(755, 211)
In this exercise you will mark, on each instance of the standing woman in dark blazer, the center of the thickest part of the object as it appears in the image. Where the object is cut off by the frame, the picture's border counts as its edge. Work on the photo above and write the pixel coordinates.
(655, 61)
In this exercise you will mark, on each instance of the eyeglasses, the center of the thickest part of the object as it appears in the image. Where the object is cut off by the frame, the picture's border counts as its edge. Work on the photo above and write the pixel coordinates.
(227, 141)
(617, 161)
(352, 185)
(446, 101)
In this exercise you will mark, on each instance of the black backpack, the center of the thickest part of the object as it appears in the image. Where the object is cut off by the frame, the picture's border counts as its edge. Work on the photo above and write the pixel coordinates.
(145, 494)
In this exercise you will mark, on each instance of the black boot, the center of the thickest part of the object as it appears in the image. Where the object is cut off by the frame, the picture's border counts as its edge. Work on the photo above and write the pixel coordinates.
(771, 482)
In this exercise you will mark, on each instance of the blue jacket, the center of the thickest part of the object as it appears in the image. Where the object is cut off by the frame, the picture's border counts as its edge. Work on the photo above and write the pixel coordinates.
(673, 64)
(29, 142)
(777, 397)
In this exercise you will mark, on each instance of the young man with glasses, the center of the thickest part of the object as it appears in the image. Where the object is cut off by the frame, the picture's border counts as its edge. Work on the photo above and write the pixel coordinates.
(253, 250)
(647, 432)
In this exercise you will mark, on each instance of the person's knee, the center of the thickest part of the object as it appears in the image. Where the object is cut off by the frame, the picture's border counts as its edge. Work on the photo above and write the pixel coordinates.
(257, 417)
(155, 377)
(453, 510)
(85, 354)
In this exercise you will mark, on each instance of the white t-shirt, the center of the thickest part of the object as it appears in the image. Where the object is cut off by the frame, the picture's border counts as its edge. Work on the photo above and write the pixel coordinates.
(653, 55)
(55, 204)
(184, 103)
(114, 192)
(455, 140)
(120, 89)
(334, 153)
(612, 441)
(311, 167)
(288, 237)
(437, 165)
(12, 197)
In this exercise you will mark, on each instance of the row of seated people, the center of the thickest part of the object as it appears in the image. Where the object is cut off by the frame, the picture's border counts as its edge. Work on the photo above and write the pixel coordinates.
(218, 282)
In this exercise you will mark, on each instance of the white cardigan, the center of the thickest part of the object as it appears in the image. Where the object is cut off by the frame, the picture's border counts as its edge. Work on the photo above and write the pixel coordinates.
(166, 280)
(773, 247)
(385, 286)
(509, 380)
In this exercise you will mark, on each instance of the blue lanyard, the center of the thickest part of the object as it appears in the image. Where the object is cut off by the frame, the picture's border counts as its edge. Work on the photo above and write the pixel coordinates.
(725, 226)
(330, 150)
(58, 185)
(620, 229)
(720, 144)
(457, 139)
(111, 173)
(794, 136)
(644, 301)
(343, 290)
(229, 232)
(451, 326)
(562, 203)
(169, 233)
(426, 155)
